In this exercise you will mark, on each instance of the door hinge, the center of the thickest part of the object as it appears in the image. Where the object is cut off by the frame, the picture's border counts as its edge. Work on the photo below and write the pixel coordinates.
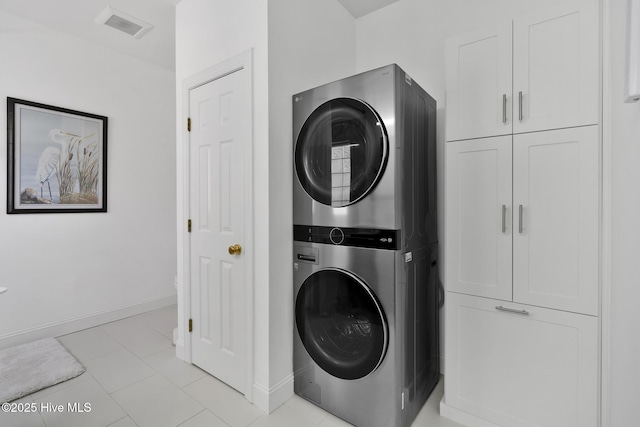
(189, 226)
(188, 124)
(190, 325)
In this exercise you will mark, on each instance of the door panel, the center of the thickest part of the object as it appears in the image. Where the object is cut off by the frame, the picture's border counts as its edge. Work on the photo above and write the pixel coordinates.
(478, 71)
(555, 54)
(528, 368)
(556, 253)
(341, 323)
(478, 229)
(220, 112)
(341, 152)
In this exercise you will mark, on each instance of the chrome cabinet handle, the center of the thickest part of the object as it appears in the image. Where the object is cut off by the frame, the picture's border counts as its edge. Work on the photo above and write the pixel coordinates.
(520, 105)
(520, 212)
(504, 108)
(511, 310)
(504, 218)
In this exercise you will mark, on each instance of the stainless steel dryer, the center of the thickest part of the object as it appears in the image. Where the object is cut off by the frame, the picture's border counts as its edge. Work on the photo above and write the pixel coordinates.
(357, 143)
(365, 247)
(366, 320)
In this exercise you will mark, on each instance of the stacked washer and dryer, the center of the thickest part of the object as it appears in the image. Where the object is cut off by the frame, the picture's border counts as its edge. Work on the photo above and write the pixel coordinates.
(365, 247)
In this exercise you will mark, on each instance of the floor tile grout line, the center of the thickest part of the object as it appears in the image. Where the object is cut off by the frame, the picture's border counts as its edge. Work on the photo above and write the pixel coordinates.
(204, 408)
(157, 352)
(38, 395)
(140, 324)
(193, 382)
(128, 348)
(126, 415)
(132, 384)
(96, 357)
(166, 376)
(143, 360)
(154, 328)
(118, 405)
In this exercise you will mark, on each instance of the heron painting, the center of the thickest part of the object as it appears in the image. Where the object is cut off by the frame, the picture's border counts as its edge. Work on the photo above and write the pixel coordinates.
(57, 159)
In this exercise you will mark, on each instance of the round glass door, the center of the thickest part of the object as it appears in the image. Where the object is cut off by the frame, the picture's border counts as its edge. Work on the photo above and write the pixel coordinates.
(341, 152)
(341, 324)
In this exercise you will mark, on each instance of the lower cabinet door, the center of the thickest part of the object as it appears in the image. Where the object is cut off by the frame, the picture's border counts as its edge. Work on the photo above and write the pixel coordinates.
(519, 365)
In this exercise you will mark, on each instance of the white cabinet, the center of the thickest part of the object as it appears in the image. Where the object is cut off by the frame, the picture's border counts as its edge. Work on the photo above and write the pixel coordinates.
(525, 367)
(478, 225)
(522, 223)
(556, 219)
(556, 67)
(542, 228)
(533, 73)
(478, 80)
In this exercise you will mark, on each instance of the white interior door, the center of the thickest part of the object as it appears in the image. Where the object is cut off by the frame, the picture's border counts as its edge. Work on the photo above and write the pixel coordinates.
(220, 114)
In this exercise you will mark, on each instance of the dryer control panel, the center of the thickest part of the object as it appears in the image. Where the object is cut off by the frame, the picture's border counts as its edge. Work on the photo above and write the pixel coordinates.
(360, 237)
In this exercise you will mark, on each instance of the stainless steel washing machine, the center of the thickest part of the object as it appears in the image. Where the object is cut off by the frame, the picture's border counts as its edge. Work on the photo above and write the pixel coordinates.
(365, 247)
(357, 141)
(366, 324)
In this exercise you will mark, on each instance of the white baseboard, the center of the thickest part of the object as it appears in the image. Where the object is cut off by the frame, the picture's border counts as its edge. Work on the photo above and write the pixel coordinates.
(180, 351)
(269, 399)
(462, 417)
(83, 322)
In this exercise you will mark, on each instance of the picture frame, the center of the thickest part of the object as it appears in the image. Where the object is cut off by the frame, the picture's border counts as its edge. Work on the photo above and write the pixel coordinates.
(56, 159)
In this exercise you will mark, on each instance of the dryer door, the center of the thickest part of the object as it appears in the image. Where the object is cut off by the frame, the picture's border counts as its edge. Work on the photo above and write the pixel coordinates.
(341, 324)
(341, 152)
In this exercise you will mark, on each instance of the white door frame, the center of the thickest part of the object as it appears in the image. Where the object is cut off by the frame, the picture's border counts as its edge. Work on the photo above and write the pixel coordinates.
(237, 63)
(607, 179)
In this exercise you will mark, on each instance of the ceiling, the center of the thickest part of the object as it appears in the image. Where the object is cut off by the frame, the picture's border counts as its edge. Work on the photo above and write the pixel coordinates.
(359, 8)
(76, 17)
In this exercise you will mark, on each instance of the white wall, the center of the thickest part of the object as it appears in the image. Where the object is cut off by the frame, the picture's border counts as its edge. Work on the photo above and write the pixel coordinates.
(310, 43)
(209, 33)
(625, 244)
(66, 271)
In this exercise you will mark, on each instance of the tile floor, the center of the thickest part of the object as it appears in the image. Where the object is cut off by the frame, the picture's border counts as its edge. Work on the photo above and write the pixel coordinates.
(134, 379)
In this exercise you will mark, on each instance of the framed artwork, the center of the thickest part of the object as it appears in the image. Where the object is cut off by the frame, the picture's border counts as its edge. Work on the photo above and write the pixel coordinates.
(57, 159)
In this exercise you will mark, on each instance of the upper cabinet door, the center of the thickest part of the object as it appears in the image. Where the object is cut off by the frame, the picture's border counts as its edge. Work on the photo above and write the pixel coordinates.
(555, 63)
(556, 219)
(478, 73)
(478, 226)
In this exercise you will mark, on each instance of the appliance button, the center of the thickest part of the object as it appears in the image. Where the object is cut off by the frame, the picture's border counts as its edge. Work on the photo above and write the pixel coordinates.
(336, 236)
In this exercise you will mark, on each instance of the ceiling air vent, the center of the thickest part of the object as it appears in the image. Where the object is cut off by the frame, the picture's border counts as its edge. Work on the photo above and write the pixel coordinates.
(121, 21)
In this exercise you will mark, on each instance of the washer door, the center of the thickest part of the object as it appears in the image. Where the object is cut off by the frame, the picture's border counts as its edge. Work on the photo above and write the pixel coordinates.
(341, 152)
(341, 324)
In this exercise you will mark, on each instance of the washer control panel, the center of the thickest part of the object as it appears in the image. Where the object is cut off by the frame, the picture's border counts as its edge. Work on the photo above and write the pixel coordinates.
(360, 237)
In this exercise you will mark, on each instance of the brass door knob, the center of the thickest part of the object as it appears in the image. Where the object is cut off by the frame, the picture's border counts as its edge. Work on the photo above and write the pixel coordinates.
(235, 249)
